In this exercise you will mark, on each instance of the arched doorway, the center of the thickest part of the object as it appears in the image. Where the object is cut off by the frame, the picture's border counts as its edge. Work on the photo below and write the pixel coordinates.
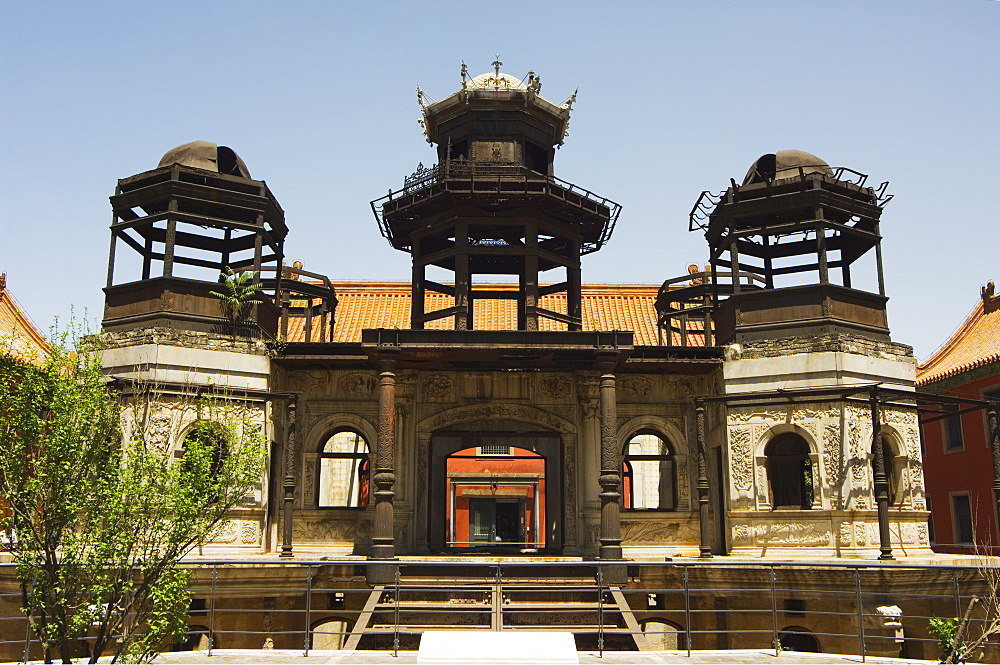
(495, 491)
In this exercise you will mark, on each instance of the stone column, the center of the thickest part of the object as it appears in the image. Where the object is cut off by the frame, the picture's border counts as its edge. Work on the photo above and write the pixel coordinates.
(289, 482)
(383, 546)
(611, 461)
(704, 523)
(880, 478)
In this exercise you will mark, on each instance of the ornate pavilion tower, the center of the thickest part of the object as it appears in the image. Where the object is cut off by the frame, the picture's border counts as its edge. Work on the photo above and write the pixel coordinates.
(492, 205)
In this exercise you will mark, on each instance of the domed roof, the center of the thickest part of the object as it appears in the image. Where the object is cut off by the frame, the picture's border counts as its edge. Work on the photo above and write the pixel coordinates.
(785, 164)
(496, 81)
(207, 156)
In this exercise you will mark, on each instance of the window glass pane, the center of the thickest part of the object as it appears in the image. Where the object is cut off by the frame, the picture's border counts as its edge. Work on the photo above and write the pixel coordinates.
(650, 474)
(963, 518)
(953, 429)
(344, 472)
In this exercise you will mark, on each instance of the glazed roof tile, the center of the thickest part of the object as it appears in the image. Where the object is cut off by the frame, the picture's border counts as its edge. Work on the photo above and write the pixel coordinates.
(387, 305)
(976, 343)
(18, 335)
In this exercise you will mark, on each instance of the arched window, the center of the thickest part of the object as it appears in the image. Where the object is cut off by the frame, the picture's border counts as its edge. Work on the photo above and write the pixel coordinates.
(789, 471)
(202, 455)
(649, 474)
(797, 638)
(891, 472)
(344, 471)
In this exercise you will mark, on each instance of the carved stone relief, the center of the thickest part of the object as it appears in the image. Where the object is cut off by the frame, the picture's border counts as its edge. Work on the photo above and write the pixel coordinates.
(636, 386)
(665, 532)
(358, 384)
(793, 533)
(227, 532)
(570, 499)
(555, 387)
(331, 530)
(159, 432)
(250, 533)
(436, 386)
(741, 458)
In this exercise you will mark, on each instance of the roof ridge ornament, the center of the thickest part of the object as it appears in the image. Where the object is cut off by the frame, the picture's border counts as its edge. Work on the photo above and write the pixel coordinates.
(497, 64)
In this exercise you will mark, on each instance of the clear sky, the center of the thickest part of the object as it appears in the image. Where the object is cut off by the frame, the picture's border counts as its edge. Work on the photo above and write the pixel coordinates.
(674, 98)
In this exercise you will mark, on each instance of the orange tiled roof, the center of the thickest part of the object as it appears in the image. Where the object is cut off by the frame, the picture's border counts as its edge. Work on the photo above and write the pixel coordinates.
(387, 305)
(18, 335)
(974, 344)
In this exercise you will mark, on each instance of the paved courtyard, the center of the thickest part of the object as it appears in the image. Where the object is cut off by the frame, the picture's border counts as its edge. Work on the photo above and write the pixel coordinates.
(748, 657)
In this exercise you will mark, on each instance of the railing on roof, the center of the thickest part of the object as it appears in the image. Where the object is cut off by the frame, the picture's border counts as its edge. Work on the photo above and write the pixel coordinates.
(502, 177)
(314, 301)
(841, 607)
(707, 201)
(685, 312)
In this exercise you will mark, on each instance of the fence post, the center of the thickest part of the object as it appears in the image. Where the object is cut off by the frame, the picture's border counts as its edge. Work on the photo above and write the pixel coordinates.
(774, 616)
(211, 614)
(309, 580)
(861, 615)
(600, 609)
(395, 622)
(687, 610)
(958, 596)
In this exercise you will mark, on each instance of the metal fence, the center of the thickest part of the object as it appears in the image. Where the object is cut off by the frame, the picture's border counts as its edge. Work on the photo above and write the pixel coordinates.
(682, 605)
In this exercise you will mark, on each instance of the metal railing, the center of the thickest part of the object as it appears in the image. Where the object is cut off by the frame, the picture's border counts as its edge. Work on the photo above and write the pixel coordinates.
(681, 605)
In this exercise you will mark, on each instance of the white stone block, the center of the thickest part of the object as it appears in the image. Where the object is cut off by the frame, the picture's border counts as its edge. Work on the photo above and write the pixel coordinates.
(468, 647)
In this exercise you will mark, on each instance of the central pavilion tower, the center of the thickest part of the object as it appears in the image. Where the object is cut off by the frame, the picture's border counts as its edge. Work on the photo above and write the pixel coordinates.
(492, 206)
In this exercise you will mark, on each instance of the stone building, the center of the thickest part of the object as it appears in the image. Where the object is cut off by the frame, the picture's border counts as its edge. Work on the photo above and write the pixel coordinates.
(735, 404)
(755, 407)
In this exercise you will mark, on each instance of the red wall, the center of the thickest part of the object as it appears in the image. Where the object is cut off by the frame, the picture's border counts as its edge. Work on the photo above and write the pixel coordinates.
(969, 469)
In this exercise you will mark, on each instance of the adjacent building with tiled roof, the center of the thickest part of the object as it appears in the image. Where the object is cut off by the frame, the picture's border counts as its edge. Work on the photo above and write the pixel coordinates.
(19, 337)
(959, 463)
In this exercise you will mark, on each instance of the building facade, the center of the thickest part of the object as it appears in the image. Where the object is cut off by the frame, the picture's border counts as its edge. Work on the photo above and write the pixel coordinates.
(958, 446)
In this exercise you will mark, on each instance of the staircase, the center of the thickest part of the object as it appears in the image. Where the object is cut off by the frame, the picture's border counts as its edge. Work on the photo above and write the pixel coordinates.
(496, 598)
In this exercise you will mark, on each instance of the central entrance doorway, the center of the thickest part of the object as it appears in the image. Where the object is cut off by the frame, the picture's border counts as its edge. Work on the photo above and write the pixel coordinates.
(495, 492)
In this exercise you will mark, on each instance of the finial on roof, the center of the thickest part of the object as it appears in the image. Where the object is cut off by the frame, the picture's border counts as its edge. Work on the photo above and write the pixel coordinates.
(420, 98)
(991, 302)
(465, 73)
(497, 64)
(569, 102)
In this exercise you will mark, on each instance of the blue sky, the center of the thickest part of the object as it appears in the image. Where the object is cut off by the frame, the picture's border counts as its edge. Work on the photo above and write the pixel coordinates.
(674, 98)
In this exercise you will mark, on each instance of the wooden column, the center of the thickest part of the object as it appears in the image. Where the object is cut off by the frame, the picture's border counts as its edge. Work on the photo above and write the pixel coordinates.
(383, 545)
(704, 523)
(289, 482)
(574, 305)
(529, 286)
(611, 461)
(880, 478)
(463, 279)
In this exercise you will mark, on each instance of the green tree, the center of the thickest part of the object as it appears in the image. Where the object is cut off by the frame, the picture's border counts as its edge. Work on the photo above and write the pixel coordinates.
(97, 517)
(241, 292)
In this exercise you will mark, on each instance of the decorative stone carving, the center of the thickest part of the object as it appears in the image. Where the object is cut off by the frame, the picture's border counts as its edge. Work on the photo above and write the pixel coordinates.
(331, 530)
(741, 458)
(309, 478)
(569, 491)
(793, 533)
(158, 432)
(311, 381)
(436, 386)
(860, 535)
(657, 532)
(555, 387)
(741, 535)
(250, 534)
(844, 534)
(495, 411)
(225, 533)
(358, 384)
(635, 386)
(922, 536)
